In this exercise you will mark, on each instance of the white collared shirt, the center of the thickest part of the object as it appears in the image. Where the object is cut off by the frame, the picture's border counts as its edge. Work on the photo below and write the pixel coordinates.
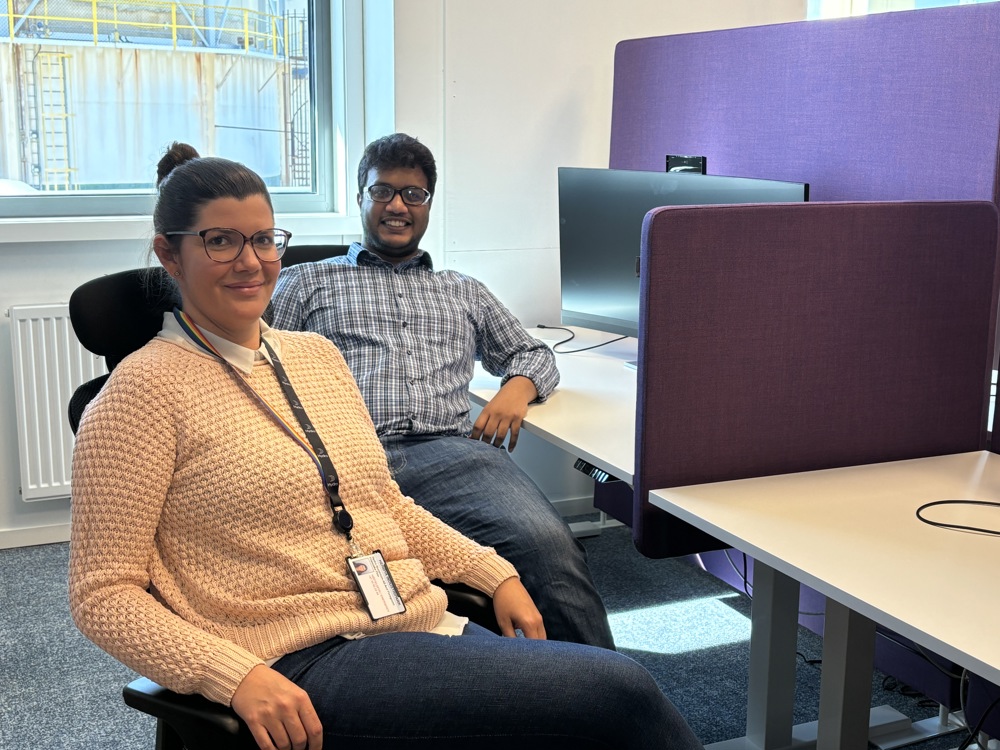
(238, 356)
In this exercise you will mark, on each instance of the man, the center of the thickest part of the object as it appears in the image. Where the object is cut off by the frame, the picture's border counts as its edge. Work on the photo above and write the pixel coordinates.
(411, 336)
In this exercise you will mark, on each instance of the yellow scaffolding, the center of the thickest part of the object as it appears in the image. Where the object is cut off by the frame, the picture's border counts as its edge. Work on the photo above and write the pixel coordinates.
(49, 121)
(222, 26)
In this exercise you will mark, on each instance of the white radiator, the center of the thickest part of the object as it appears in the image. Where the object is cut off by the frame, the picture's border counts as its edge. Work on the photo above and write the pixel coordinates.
(49, 363)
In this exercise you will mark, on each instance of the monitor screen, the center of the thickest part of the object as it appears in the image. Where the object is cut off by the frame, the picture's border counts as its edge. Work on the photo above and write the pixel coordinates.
(600, 231)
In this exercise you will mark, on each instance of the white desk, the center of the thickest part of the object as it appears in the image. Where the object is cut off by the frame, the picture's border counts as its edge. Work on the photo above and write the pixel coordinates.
(852, 535)
(591, 415)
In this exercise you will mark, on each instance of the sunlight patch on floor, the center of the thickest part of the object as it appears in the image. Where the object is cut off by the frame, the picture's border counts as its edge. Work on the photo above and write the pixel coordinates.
(680, 627)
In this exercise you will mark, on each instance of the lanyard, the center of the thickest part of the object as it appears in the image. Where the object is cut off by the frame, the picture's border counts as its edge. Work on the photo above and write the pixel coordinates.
(342, 520)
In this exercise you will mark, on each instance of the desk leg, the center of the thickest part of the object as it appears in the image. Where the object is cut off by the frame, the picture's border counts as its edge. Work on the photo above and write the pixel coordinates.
(846, 683)
(773, 640)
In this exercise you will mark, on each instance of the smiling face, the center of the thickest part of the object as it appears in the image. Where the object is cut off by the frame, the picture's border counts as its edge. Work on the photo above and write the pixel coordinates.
(227, 299)
(393, 230)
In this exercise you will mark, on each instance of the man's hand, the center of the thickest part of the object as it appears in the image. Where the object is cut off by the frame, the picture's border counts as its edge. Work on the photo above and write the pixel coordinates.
(278, 712)
(515, 610)
(505, 412)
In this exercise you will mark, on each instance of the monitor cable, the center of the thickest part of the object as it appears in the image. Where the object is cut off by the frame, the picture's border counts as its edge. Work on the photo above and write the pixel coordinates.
(573, 336)
(957, 526)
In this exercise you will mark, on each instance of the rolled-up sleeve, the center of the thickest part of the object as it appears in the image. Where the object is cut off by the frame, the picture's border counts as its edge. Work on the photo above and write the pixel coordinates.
(506, 349)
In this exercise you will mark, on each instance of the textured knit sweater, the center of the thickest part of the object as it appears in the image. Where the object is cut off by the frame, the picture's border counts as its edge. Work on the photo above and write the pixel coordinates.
(202, 539)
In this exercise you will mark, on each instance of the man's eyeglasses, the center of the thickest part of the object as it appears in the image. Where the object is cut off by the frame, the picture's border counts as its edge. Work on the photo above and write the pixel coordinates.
(225, 245)
(412, 196)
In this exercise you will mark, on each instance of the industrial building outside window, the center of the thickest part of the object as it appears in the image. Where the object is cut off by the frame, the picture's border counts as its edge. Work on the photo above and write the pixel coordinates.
(93, 91)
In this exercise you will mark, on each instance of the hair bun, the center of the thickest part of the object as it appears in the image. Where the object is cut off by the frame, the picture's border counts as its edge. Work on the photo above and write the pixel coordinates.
(177, 154)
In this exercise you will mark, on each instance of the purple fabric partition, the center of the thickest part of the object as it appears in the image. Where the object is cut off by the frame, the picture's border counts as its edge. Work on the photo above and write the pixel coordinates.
(788, 338)
(893, 106)
(791, 337)
(982, 701)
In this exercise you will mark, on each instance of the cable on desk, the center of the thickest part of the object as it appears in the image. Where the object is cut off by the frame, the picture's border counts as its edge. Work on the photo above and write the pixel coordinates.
(957, 526)
(573, 336)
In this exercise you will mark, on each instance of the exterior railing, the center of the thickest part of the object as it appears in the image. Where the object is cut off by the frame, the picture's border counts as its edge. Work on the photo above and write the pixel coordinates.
(224, 27)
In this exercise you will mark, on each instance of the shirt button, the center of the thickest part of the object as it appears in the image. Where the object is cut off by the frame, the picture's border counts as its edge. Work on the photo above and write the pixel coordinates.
(404, 324)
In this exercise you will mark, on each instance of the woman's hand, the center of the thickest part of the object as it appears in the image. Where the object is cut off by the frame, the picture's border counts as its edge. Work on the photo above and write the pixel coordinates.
(278, 712)
(515, 610)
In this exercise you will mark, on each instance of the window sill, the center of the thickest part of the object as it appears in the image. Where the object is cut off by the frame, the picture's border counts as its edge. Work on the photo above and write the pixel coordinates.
(305, 227)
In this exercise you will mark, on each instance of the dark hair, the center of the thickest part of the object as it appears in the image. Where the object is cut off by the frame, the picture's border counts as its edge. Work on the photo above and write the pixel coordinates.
(185, 182)
(397, 151)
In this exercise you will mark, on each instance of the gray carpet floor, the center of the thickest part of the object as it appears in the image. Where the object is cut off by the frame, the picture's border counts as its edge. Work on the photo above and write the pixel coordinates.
(690, 630)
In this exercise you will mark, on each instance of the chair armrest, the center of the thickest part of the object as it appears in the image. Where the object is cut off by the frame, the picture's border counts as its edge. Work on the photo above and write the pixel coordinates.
(201, 724)
(466, 601)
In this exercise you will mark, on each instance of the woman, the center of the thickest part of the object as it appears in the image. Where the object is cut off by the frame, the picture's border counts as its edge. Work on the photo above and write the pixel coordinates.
(236, 532)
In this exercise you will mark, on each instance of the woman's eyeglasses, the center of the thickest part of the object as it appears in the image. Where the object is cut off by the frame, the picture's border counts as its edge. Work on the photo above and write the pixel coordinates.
(224, 245)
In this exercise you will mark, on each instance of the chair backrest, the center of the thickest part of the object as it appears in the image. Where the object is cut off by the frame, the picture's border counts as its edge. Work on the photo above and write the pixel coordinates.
(311, 253)
(115, 315)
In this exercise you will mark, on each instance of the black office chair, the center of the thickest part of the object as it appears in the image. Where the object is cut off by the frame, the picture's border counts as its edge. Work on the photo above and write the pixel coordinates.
(136, 300)
(311, 253)
(113, 316)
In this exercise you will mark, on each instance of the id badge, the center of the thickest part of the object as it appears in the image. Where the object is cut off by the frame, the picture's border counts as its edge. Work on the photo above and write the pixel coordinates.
(376, 585)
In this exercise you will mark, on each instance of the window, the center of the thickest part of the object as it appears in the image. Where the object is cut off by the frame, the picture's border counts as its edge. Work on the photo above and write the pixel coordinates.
(93, 91)
(838, 8)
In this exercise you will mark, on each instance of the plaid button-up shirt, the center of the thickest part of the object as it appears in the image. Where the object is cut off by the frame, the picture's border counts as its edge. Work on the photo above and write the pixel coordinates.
(411, 336)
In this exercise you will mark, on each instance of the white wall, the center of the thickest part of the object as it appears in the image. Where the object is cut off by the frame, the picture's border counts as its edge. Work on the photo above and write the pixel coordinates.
(503, 92)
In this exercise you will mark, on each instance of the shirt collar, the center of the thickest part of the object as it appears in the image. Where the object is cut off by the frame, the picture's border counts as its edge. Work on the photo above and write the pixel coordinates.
(359, 255)
(238, 356)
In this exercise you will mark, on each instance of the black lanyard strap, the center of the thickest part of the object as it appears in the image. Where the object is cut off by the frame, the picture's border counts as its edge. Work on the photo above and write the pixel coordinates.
(341, 518)
(328, 473)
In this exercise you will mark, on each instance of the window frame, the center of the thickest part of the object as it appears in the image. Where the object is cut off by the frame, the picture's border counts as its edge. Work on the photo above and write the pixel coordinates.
(819, 10)
(341, 103)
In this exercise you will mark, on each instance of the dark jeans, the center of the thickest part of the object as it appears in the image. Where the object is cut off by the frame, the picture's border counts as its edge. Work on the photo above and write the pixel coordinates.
(479, 690)
(479, 490)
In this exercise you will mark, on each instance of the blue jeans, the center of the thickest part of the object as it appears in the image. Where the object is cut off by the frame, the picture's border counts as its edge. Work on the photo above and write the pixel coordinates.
(478, 690)
(478, 489)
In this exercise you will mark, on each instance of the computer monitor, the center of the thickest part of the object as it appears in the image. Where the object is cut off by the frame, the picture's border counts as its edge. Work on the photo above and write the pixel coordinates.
(600, 230)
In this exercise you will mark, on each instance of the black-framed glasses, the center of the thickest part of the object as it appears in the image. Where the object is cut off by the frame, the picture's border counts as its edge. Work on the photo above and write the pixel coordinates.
(224, 245)
(412, 195)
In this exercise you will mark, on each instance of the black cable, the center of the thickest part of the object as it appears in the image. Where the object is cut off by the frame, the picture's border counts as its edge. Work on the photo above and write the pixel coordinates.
(974, 732)
(917, 649)
(743, 575)
(808, 661)
(956, 526)
(573, 336)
